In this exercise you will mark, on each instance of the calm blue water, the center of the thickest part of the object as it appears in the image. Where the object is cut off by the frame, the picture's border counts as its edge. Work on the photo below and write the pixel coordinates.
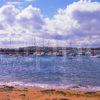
(81, 71)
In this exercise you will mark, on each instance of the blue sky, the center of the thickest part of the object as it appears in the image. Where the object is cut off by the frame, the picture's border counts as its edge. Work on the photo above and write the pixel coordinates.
(48, 7)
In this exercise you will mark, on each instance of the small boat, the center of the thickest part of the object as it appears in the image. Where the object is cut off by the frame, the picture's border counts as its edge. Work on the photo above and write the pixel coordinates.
(96, 56)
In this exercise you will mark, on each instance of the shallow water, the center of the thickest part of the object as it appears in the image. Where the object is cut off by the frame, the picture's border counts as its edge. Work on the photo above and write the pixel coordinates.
(81, 71)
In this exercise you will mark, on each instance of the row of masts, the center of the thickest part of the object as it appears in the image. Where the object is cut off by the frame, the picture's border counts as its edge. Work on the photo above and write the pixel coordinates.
(43, 42)
(48, 43)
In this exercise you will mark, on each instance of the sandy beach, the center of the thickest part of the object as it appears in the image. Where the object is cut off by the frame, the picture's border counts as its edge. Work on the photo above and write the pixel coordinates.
(34, 93)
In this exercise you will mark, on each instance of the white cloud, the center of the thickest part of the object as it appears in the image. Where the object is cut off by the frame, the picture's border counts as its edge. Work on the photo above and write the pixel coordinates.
(19, 26)
(31, 18)
(19, 3)
(78, 25)
(77, 22)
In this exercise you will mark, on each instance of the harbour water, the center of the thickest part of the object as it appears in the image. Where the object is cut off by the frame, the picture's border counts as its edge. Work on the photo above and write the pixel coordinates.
(51, 71)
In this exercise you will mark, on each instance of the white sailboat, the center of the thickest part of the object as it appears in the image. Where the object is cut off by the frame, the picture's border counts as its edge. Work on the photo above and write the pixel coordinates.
(88, 48)
(70, 54)
(80, 51)
(89, 51)
(42, 53)
(34, 42)
(95, 54)
(49, 52)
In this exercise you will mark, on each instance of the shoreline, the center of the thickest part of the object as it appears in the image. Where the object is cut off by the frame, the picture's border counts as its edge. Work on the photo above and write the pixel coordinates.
(76, 87)
(37, 93)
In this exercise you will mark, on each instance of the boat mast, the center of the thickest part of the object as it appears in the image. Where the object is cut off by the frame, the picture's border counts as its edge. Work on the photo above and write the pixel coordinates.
(56, 46)
(43, 46)
(89, 46)
(10, 39)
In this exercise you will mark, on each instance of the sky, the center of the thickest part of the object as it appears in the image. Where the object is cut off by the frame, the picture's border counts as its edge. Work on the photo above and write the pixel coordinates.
(49, 23)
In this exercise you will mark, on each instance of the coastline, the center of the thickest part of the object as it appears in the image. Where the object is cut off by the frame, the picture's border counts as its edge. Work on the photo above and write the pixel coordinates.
(85, 88)
(37, 93)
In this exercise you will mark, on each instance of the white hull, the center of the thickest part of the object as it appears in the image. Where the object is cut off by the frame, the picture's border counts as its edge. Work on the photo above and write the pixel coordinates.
(96, 56)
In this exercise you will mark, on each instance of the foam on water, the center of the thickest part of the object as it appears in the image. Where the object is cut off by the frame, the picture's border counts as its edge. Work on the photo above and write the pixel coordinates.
(52, 86)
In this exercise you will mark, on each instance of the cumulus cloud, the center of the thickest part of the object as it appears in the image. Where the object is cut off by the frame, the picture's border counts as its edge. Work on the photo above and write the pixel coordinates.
(31, 18)
(78, 24)
(19, 26)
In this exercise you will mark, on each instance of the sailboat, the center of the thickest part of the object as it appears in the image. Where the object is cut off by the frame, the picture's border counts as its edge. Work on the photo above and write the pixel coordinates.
(42, 53)
(88, 48)
(49, 51)
(95, 55)
(89, 51)
(80, 51)
(71, 53)
(34, 40)
(56, 49)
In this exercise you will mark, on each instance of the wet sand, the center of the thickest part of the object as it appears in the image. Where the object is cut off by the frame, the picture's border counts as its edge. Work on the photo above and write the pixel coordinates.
(34, 93)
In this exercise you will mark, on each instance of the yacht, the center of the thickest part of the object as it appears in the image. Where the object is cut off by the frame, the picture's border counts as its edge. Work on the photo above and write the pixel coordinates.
(96, 56)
